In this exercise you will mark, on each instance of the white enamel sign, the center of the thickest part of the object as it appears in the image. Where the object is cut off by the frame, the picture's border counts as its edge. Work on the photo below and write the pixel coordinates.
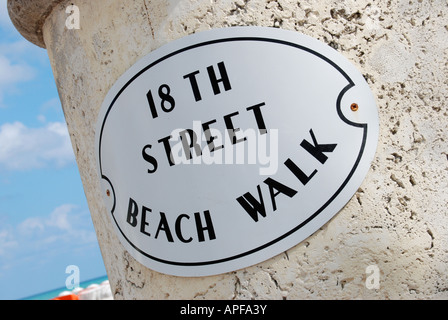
(227, 147)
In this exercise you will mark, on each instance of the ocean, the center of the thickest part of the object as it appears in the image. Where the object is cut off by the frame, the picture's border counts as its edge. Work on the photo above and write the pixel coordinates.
(54, 293)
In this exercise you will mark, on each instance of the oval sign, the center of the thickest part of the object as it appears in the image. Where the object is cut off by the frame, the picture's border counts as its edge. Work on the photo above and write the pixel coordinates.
(227, 147)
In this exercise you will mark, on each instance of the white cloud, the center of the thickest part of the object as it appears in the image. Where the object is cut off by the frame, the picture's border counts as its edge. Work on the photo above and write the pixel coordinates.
(7, 241)
(13, 69)
(17, 49)
(24, 148)
(30, 225)
(5, 21)
(58, 220)
(54, 231)
(59, 217)
(11, 73)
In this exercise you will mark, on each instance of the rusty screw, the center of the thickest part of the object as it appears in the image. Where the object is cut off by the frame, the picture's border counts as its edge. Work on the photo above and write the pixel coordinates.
(108, 192)
(354, 107)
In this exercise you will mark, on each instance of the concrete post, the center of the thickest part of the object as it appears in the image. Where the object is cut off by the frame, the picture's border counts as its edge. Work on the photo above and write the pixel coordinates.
(391, 239)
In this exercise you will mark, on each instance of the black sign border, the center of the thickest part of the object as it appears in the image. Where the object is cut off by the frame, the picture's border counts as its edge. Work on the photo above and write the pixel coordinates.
(340, 114)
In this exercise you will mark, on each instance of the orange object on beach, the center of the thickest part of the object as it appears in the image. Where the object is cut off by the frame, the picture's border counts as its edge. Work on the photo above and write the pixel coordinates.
(67, 297)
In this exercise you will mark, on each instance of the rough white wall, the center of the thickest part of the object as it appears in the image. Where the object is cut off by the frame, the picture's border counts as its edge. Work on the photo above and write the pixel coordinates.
(397, 221)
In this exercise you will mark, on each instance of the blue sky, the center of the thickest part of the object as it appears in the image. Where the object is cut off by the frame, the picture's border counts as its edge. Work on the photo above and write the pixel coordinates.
(45, 222)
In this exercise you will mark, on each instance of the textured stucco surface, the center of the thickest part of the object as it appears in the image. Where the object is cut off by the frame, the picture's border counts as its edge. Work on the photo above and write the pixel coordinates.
(396, 221)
